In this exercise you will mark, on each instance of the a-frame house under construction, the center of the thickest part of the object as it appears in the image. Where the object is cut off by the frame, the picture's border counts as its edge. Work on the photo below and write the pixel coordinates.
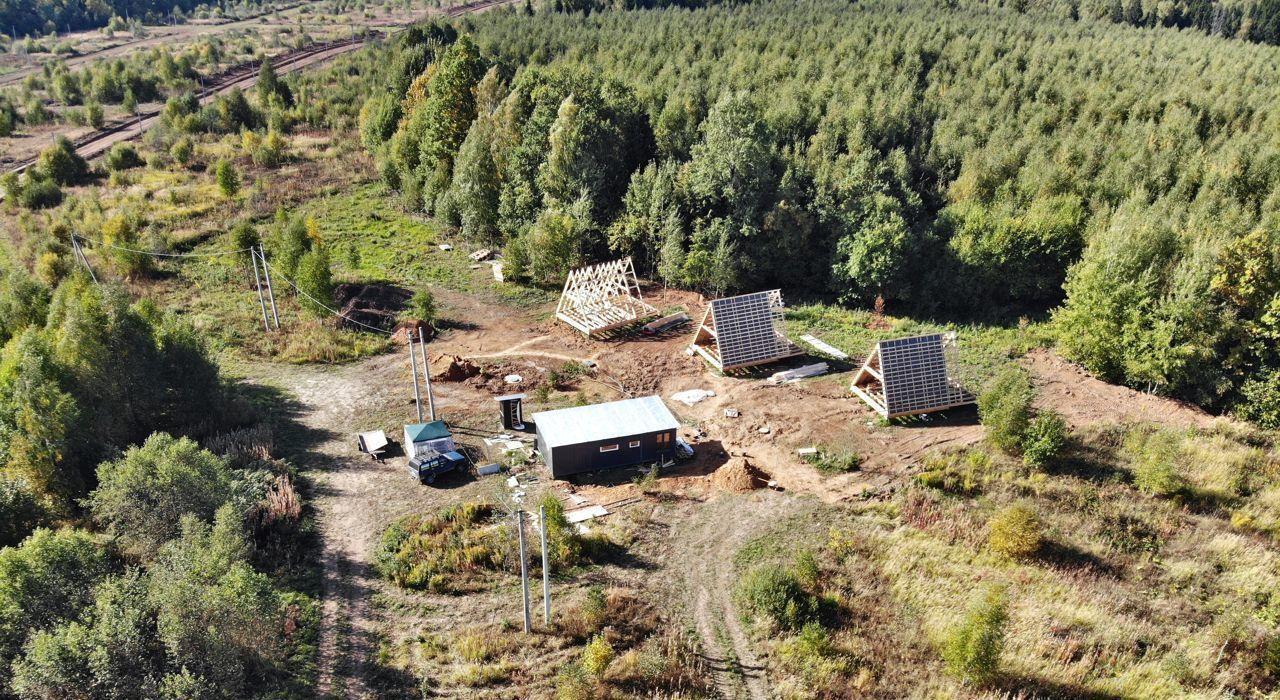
(744, 331)
(908, 376)
(603, 297)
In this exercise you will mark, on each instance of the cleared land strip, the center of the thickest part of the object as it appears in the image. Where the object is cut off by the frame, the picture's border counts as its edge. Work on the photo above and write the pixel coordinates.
(243, 76)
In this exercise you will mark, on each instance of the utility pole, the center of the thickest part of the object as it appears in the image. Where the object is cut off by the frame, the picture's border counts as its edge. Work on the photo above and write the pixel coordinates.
(546, 567)
(257, 282)
(524, 572)
(266, 271)
(426, 372)
(413, 367)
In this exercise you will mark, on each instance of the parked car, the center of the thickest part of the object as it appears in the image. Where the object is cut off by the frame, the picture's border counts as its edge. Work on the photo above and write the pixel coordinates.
(429, 464)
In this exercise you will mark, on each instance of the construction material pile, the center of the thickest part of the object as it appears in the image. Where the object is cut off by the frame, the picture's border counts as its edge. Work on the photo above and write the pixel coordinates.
(739, 476)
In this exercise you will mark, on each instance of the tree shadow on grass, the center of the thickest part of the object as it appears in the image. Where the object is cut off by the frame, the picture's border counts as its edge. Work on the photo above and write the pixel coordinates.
(1066, 557)
(1088, 461)
(1026, 687)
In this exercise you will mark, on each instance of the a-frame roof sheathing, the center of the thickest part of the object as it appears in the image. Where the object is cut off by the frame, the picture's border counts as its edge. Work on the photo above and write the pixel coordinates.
(908, 376)
(600, 298)
(744, 331)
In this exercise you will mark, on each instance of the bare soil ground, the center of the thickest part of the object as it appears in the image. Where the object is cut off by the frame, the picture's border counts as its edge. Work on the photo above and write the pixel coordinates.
(703, 525)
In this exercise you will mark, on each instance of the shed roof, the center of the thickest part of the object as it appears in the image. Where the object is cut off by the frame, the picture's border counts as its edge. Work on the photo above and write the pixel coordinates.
(421, 432)
(603, 421)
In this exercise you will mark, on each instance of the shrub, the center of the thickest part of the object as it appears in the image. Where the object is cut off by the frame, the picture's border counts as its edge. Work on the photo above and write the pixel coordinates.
(835, 462)
(439, 551)
(573, 683)
(1155, 456)
(957, 473)
(142, 497)
(972, 648)
(1005, 407)
(812, 655)
(61, 163)
(774, 593)
(1044, 439)
(244, 235)
(1261, 401)
(565, 547)
(1015, 532)
(93, 115)
(597, 656)
(227, 177)
(806, 569)
(423, 306)
(40, 193)
(122, 156)
(20, 512)
(182, 150)
(270, 153)
(315, 279)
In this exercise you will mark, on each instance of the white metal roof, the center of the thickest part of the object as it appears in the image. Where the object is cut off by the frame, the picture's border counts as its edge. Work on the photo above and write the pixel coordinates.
(603, 421)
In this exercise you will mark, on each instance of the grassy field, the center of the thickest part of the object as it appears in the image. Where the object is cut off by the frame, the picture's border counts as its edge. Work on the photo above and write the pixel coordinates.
(1128, 593)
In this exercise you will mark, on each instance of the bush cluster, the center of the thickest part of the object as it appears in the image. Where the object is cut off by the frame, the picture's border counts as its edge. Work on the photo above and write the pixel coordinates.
(1013, 425)
(972, 647)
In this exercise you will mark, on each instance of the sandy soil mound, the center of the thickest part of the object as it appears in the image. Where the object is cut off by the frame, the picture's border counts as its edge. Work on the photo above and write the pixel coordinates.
(452, 368)
(739, 476)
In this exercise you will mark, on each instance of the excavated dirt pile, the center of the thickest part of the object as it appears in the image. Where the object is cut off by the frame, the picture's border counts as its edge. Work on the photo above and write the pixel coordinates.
(375, 305)
(403, 328)
(739, 476)
(452, 368)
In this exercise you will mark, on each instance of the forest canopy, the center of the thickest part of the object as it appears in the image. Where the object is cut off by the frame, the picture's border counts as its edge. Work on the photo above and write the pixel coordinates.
(972, 161)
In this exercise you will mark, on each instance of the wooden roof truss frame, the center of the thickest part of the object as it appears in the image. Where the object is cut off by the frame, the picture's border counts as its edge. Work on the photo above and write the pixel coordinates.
(910, 376)
(744, 331)
(603, 297)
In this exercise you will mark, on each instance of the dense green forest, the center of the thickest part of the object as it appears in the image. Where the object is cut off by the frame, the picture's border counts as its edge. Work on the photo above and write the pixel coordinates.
(1249, 20)
(36, 17)
(975, 162)
(174, 586)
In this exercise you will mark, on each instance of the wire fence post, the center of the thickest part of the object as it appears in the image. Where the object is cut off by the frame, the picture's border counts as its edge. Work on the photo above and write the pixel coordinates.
(413, 368)
(524, 572)
(266, 272)
(257, 282)
(546, 567)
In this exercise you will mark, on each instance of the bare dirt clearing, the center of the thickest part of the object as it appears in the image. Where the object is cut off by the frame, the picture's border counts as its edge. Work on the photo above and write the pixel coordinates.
(355, 498)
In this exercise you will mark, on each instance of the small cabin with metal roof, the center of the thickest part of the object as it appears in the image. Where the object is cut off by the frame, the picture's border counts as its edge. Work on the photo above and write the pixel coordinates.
(606, 435)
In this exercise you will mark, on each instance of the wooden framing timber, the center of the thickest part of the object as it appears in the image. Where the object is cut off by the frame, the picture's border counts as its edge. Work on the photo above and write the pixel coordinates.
(604, 297)
(743, 331)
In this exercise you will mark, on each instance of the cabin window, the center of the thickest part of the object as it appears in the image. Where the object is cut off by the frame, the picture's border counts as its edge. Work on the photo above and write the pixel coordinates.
(608, 448)
(634, 443)
(664, 439)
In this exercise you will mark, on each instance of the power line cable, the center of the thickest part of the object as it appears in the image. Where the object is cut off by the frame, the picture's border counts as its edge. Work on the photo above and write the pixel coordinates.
(324, 306)
(214, 254)
(314, 300)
